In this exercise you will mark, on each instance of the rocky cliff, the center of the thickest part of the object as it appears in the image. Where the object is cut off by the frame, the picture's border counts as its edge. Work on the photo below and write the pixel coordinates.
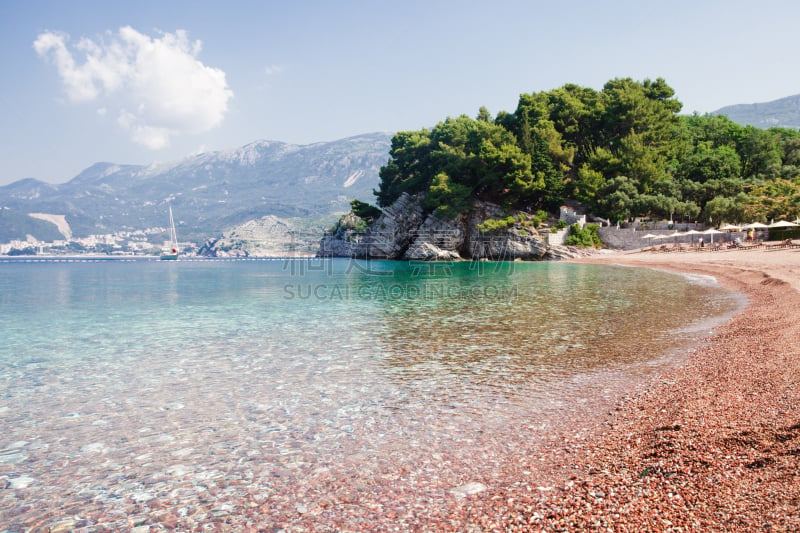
(269, 236)
(404, 231)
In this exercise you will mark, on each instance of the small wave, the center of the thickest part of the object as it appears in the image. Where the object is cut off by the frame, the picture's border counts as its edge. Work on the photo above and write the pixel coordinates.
(695, 279)
(701, 279)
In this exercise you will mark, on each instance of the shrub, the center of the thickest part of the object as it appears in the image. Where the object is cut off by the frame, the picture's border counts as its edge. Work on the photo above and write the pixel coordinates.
(495, 224)
(526, 221)
(349, 222)
(364, 210)
(356, 226)
(585, 237)
(539, 217)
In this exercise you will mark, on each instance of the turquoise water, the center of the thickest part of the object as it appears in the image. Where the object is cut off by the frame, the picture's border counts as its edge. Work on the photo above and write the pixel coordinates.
(275, 373)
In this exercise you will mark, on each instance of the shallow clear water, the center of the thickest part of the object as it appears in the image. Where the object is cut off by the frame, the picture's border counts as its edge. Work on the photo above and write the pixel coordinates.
(123, 383)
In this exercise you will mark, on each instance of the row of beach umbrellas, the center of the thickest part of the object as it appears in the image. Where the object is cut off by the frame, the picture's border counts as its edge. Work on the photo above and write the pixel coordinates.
(782, 224)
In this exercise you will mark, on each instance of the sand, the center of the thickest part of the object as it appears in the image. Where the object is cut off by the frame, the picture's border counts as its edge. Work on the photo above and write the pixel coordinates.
(712, 445)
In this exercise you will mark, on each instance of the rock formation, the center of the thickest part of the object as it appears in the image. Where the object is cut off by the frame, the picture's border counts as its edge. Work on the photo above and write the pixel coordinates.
(390, 235)
(404, 231)
(268, 236)
(340, 241)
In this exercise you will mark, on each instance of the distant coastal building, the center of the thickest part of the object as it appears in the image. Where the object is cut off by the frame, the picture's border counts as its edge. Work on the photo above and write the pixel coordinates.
(570, 216)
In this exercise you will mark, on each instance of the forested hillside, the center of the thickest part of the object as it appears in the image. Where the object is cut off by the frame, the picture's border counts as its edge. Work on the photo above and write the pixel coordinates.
(623, 151)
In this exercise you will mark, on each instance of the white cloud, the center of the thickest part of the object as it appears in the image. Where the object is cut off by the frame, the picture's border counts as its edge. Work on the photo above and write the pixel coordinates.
(160, 87)
(271, 70)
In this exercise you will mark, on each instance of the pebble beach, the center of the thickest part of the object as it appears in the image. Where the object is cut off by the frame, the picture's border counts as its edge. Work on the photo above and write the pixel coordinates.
(706, 440)
(712, 445)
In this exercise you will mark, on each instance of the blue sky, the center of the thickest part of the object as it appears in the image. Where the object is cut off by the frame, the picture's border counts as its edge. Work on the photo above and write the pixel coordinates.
(171, 78)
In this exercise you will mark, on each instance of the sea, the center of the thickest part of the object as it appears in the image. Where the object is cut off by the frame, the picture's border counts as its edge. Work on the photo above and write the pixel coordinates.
(306, 393)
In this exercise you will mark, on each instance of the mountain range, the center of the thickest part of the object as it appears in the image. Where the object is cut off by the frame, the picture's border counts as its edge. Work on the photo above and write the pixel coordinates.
(209, 192)
(216, 192)
(781, 113)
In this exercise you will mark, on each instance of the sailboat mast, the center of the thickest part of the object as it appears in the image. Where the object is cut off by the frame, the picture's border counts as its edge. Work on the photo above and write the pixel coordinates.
(172, 253)
(172, 235)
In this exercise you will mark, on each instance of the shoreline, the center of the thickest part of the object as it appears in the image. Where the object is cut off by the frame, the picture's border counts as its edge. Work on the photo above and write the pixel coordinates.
(712, 444)
(103, 257)
(708, 441)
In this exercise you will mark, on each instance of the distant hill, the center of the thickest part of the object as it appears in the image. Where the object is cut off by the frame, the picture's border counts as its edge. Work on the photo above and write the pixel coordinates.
(209, 192)
(17, 226)
(781, 113)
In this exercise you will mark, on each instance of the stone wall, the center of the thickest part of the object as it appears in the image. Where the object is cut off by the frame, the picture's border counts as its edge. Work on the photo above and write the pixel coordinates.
(631, 239)
(557, 238)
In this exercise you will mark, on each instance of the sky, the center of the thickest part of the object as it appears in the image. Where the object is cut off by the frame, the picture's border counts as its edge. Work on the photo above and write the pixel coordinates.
(155, 81)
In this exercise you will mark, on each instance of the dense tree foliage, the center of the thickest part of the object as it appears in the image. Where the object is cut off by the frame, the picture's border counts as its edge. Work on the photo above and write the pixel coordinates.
(585, 237)
(623, 151)
(364, 210)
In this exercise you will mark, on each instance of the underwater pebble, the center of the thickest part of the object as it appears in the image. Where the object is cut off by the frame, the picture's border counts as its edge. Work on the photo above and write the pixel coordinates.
(95, 447)
(20, 482)
(469, 489)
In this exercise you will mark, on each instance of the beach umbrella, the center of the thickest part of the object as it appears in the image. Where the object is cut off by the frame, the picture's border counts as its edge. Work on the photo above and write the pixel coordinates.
(755, 225)
(693, 232)
(675, 235)
(662, 237)
(730, 228)
(712, 232)
(782, 225)
(649, 236)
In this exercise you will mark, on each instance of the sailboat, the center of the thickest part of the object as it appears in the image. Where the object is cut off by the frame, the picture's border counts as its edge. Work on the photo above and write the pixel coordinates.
(172, 253)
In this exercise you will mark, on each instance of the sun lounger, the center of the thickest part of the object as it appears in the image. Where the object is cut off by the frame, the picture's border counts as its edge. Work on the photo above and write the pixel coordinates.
(752, 246)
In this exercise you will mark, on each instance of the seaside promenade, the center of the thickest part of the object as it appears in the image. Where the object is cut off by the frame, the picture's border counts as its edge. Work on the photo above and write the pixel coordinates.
(712, 445)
